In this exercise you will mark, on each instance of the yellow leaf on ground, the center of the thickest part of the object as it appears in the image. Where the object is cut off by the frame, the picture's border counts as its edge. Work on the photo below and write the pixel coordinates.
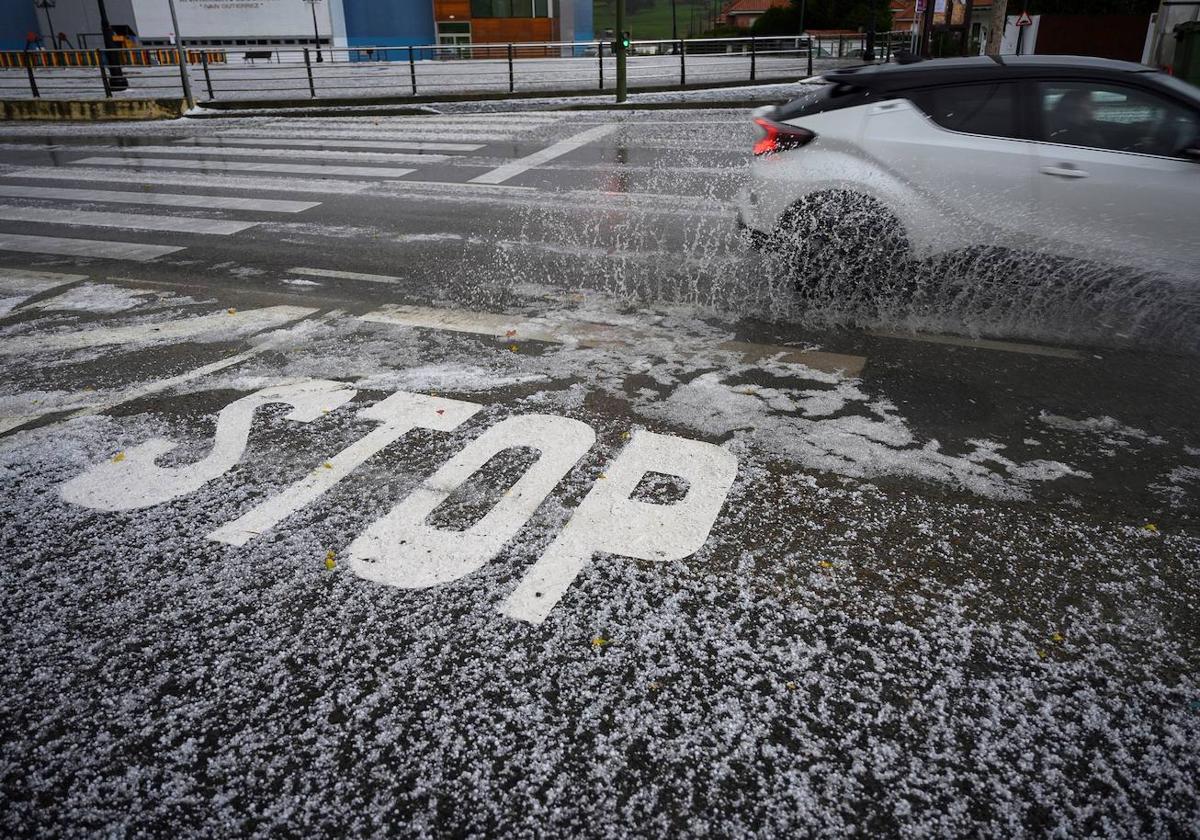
(231, 311)
(327, 465)
(512, 348)
(1057, 637)
(118, 458)
(825, 564)
(599, 642)
(330, 562)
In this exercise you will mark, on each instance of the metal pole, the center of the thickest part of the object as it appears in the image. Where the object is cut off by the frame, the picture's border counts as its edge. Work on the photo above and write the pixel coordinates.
(103, 74)
(802, 4)
(32, 83)
(308, 68)
(810, 49)
(412, 71)
(316, 32)
(621, 78)
(674, 27)
(600, 61)
(46, 6)
(112, 56)
(682, 63)
(207, 76)
(512, 84)
(753, 57)
(183, 68)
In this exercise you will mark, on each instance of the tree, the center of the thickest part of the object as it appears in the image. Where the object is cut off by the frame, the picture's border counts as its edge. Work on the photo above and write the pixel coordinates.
(996, 26)
(777, 20)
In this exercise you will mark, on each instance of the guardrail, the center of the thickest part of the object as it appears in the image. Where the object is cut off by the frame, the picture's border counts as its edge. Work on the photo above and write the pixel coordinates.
(431, 70)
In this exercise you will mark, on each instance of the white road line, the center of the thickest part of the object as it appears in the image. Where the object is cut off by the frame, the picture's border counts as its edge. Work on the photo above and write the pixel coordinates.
(216, 202)
(246, 166)
(592, 334)
(268, 183)
(84, 403)
(373, 134)
(406, 185)
(60, 246)
(563, 147)
(352, 144)
(238, 324)
(18, 285)
(345, 275)
(985, 344)
(26, 280)
(470, 122)
(128, 221)
(312, 154)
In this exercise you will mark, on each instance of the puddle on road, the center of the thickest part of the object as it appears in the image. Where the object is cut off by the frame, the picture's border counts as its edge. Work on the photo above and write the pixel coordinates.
(643, 250)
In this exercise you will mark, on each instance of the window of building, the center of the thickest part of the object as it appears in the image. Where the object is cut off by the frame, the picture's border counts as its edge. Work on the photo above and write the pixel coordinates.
(511, 8)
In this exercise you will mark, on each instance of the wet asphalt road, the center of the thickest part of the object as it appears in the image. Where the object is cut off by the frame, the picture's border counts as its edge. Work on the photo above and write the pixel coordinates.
(763, 572)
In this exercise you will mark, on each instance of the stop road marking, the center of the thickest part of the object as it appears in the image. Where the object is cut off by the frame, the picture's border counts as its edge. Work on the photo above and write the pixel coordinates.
(400, 549)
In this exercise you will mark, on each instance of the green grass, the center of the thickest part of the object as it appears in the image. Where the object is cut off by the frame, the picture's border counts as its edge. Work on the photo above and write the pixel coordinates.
(655, 22)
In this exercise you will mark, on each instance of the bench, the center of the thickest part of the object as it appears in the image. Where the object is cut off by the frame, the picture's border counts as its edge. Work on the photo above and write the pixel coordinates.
(253, 54)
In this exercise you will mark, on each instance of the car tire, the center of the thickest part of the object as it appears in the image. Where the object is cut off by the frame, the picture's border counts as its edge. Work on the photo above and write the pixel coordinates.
(844, 246)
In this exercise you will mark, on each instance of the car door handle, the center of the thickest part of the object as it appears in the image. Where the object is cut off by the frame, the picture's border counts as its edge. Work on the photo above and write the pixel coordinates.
(1064, 171)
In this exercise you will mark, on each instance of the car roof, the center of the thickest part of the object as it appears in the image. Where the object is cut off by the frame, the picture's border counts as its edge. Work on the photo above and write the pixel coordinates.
(940, 71)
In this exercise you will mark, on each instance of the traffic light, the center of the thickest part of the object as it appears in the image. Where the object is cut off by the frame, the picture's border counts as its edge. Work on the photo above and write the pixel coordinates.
(622, 44)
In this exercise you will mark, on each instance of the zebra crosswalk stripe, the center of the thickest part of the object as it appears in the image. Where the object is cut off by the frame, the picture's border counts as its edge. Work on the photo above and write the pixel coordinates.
(61, 246)
(315, 154)
(246, 166)
(153, 199)
(129, 221)
(245, 183)
(417, 146)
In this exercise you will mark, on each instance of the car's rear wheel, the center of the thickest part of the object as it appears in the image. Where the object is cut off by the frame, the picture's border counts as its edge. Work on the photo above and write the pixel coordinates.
(844, 246)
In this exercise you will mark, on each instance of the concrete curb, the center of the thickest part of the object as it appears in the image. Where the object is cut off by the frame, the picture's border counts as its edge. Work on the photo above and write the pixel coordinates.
(91, 109)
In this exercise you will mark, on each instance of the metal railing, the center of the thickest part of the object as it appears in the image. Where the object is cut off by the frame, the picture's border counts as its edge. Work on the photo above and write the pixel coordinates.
(425, 71)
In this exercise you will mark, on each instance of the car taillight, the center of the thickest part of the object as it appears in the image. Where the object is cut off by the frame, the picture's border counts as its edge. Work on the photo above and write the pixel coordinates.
(779, 137)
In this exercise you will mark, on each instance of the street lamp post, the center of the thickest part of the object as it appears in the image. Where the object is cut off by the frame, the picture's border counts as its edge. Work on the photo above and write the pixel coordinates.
(112, 55)
(316, 33)
(46, 6)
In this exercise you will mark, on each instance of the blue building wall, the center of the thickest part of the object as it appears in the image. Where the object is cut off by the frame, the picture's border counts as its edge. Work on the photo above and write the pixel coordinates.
(387, 23)
(584, 26)
(17, 19)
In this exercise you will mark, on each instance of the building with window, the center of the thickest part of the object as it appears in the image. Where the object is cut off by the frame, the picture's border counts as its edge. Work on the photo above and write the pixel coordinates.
(258, 25)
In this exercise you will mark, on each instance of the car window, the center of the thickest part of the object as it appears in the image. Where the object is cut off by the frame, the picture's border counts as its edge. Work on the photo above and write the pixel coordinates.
(975, 109)
(1117, 118)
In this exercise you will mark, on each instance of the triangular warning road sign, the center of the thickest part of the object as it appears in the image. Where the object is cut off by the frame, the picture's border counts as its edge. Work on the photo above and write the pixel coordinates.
(1024, 19)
